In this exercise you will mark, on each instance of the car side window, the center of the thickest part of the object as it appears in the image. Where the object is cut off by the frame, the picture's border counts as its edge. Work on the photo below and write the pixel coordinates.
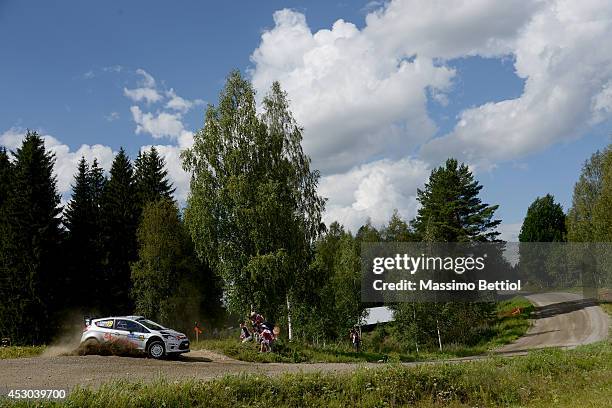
(130, 326)
(105, 324)
(121, 325)
(136, 327)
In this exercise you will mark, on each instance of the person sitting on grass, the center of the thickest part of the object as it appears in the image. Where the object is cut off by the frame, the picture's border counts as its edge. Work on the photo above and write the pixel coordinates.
(245, 334)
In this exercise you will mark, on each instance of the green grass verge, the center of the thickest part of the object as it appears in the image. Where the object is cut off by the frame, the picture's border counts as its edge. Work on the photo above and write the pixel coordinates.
(505, 328)
(20, 351)
(607, 307)
(580, 377)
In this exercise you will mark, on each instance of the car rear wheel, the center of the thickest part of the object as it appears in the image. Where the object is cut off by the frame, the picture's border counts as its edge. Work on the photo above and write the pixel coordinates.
(156, 349)
(90, 346)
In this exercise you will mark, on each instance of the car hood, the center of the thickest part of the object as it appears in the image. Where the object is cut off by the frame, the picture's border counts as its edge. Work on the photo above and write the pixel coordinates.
(171, 332)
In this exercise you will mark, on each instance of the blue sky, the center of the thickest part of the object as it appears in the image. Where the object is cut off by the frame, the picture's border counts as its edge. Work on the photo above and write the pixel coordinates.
(68, 69)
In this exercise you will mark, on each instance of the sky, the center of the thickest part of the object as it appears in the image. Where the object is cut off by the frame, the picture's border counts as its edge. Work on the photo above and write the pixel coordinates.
(521, 90)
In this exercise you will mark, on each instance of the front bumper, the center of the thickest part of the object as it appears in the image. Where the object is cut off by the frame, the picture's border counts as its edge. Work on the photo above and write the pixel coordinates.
(178, 347)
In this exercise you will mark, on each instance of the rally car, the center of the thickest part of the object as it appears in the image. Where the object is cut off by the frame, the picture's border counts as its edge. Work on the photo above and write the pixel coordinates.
(137, 333)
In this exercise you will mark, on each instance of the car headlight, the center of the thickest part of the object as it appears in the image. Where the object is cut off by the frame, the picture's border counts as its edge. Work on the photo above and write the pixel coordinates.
(169, 337)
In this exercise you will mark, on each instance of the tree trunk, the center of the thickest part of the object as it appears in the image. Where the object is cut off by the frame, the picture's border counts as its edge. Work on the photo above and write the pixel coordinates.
(289, 328)
(439, 338)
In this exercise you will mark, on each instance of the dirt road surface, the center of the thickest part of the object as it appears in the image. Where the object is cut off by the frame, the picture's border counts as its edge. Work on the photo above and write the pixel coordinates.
(562, 320)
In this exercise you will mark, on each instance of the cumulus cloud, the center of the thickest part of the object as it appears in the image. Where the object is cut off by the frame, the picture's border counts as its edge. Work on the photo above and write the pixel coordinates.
(354, 100)
(373, 191)
(567, 90)
(66, 160)
(362, 94)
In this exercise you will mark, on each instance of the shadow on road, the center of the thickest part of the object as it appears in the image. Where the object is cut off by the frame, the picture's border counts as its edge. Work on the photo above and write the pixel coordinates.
(192, 359)
(555, 309)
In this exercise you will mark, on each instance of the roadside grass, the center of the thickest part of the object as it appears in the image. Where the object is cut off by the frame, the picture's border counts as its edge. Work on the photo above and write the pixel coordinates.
(20, 351)
(607, 307)
(551, 377)
(505, 328)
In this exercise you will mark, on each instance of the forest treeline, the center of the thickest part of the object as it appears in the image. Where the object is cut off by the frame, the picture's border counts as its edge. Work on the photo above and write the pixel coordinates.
(250, 236)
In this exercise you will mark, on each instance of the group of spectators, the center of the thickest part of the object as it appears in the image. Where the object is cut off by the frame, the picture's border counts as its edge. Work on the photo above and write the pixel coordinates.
(262, 331)
(265, 333)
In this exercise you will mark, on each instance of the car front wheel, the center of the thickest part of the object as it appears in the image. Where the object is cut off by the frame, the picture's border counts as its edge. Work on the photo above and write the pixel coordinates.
(156, 349)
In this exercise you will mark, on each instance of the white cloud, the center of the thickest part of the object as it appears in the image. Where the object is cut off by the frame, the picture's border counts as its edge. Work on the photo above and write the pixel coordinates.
(162, 124)
(66, 160)
(149, 95)
(147, 90)
(180, 104)
(373, 191)
(354, 101)
(147, 80)
(361, 94)
(561, 53)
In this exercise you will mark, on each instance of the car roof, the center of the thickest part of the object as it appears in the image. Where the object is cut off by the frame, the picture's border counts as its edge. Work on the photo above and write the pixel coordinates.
(120, 317)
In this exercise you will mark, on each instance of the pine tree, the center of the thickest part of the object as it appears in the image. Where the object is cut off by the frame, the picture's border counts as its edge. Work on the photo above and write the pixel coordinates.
(151, 177)
(120, 215)
(31, 245)
(451, 210)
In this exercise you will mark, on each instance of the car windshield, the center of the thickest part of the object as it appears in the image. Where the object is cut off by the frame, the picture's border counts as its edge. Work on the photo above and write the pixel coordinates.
(150, 325)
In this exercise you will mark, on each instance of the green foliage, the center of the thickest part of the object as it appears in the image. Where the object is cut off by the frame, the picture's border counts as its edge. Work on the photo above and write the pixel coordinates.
(602, 210)
(451, 210)
(29, 243)
(397, 230)
(331, 298)
(385, 343)
(580, 222)
(253, 209)
(544, 222)
(151, 177)
(84, 243)
(120, 215)
(170, 285)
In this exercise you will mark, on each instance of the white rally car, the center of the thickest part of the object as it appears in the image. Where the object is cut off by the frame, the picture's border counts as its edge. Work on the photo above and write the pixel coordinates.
(137, 333)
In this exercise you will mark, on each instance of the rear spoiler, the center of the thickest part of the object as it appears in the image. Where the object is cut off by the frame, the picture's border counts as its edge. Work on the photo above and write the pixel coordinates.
(88, 320)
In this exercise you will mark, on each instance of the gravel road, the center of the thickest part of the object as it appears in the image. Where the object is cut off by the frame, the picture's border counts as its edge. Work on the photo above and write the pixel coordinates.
(562, 320)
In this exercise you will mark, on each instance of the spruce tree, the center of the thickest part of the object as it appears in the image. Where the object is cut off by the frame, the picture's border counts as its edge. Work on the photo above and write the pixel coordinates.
(82, 218)
(151, 177)
(31, 245)
(120, 215)
(544, 222)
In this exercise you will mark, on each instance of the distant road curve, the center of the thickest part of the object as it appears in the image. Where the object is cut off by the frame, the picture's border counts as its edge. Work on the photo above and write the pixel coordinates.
(562, 320)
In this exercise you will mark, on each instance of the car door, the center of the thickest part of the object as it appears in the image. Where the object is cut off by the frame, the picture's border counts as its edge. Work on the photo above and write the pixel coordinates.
(133, 334)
